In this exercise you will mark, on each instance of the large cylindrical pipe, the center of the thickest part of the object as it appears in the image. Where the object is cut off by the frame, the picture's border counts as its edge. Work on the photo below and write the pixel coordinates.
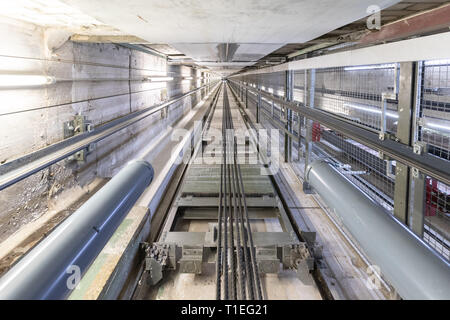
(54, 266)
(409, 264)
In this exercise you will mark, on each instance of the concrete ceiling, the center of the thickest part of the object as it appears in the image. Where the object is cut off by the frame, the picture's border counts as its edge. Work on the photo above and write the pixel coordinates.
(227, 35)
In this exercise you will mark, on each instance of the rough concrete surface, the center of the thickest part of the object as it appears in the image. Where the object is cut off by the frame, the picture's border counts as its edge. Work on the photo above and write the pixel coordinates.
(99, 81)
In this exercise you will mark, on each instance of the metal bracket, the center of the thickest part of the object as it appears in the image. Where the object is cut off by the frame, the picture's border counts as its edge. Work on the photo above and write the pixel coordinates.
(191, 259)
(382, 156)
(74, 127)
(156, 259)
(315, 248)
(212, 235)
(384, 136)
(267, 259)
(298, 257)
(165, 112)
(292, 254)
(307, 189)
(420, 147)
(416, 173)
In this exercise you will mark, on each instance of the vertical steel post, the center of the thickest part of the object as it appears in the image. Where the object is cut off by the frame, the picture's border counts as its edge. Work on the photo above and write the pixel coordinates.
(288, 94)
(299, 141)
(406, 108)
(258, 103)
(246, 98)
(417, 179)
(311, 81)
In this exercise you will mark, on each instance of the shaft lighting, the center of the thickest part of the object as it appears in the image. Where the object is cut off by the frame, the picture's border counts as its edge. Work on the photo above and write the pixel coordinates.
(159, 79)
(16, 80)
(370, 109)
(436, 125)
(369, 67)
(437, 62)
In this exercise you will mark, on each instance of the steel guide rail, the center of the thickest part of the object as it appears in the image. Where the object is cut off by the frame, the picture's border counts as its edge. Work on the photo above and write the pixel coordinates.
(426, 163)
(23, 167)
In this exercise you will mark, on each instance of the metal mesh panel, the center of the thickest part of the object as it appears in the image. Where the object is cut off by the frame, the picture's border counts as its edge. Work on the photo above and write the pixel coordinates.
(252, 101)
(356, 93)
(362, 94)
(273, 83)
(437, 216)
(361, 164)
(434, 118)
(434, 131)
(299, 88)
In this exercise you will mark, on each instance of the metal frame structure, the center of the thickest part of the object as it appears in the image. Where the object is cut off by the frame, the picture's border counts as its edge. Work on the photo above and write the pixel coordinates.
(427, 164)
(400, 149)
(240, 254)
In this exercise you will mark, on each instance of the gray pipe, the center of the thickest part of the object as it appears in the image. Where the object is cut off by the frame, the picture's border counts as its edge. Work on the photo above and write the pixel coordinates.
(50, 269)
(408, 263)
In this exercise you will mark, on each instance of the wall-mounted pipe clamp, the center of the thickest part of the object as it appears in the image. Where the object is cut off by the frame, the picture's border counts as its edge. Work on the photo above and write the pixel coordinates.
(408, 263)
(74, 127)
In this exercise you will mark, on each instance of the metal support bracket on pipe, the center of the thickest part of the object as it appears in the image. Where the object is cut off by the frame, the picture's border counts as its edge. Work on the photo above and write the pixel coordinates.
(408, 263)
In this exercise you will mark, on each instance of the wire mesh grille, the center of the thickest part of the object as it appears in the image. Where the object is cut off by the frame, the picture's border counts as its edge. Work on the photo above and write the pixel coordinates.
(437, 216)
(434, 121)
(356, 93)
(363, 94)
(274, 83)
(299, 88)
(359, 163)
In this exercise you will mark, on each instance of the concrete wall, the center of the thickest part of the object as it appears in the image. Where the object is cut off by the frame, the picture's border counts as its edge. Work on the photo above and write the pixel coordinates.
(32, 118)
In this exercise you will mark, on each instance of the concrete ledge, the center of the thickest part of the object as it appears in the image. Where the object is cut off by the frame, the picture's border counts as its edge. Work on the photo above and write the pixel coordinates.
(109, 272)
